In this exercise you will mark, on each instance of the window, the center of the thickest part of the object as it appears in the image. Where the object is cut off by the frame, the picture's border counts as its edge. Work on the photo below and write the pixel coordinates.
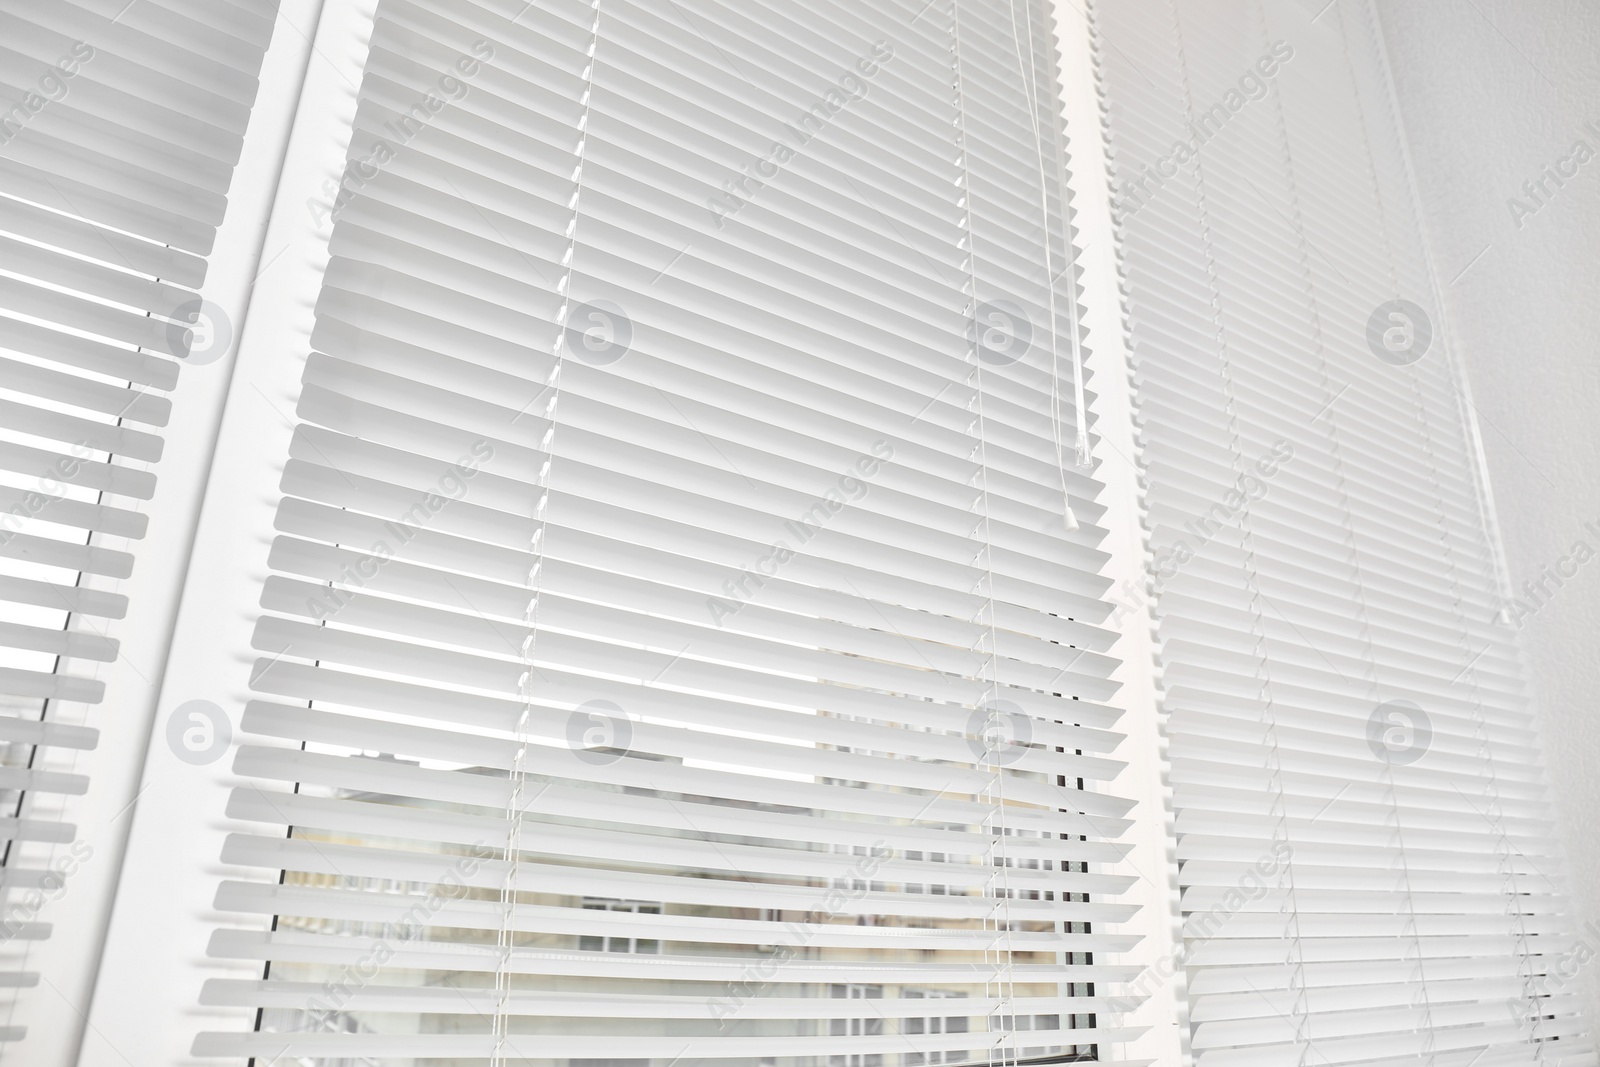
(1352, 757)
(711, 554)
(653, 587)
(934, 1025)
(119, 133)
(857, 1027)
(614, 943)
(931, 857)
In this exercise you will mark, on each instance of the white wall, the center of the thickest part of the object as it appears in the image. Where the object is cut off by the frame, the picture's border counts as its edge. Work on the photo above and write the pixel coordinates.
(1492, 92)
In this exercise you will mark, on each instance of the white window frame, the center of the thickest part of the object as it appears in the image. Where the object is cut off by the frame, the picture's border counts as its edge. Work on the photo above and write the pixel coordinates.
(142, 1006)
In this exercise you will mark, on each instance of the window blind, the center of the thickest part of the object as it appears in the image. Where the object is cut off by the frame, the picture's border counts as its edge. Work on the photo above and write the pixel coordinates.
(1367, 865)
(120, 125)
(680, 647)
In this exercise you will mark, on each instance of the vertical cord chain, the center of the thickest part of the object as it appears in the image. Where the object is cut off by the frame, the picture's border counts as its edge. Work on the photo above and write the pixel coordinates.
(1000, 980)
(1236, 448)
(515, 801)
(1028, 70)
(1347, 513)
(1030, 77)
(1507, 867)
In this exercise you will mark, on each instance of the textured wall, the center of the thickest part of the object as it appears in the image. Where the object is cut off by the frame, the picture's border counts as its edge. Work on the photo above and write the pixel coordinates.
(1491, 93)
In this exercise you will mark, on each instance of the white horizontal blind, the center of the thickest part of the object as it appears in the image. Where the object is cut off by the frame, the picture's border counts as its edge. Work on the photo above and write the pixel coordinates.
(1367, 863)
(677, 650)
(120, 125)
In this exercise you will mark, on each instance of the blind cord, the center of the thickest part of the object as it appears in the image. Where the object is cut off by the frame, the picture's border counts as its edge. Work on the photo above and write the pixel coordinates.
(1081, 456)
(1029, 74)
(1473, 448)
(1362, 610)
(1296, 959)
(515, 804)
(1506, 867)
(1002, 976)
